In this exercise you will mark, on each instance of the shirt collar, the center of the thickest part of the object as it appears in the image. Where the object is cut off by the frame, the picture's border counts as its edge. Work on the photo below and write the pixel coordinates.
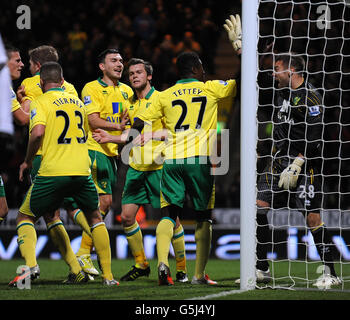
(187, 80)
(55, 89)
(102, 83)
(148, 95)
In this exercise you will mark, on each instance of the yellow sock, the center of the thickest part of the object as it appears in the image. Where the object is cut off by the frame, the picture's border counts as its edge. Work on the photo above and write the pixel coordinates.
(80, 219)
(27, 241)
(134, 237)
(203, 235)
(100, 238)
(61, 240)
(178, 242)
(164, 233)
(86, 244)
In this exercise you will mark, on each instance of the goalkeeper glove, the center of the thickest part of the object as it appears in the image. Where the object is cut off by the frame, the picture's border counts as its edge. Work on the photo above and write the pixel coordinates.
(289, 175)
(234, 31)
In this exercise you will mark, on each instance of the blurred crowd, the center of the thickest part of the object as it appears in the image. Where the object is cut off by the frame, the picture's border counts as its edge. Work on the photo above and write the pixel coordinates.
(155, 30)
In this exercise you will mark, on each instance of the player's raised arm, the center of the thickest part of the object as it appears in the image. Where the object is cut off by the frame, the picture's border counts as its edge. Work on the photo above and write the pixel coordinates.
(234, 32)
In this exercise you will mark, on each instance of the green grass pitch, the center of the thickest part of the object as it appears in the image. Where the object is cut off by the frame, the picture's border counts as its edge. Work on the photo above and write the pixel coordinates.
(49, 286)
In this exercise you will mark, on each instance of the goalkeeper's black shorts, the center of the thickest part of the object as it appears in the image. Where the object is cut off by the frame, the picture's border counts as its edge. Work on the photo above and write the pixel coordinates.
(306, 197)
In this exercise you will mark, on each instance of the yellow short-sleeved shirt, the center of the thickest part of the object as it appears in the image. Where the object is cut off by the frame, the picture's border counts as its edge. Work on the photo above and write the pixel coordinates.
(109, 102)
(190, 111)
(33, 90)
(149, 156)
(64, 147)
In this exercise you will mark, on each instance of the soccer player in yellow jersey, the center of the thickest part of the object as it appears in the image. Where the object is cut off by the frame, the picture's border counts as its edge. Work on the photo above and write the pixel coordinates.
(142, 183)
(15, 65)
(37, 57)
(190, 111)
(104, 99)
(30, 90)
(58, 123)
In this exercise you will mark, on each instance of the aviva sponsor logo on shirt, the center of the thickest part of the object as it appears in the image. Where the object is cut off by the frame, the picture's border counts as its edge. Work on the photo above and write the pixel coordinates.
(117, 108)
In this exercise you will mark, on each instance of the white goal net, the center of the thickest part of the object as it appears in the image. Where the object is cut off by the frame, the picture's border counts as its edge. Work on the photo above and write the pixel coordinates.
(303, 112)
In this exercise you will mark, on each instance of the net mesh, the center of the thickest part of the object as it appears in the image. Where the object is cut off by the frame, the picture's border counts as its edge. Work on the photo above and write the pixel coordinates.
(319, 32)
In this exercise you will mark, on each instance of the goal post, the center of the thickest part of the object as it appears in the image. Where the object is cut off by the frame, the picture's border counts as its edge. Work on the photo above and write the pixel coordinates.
(308, 226)
(249, 102)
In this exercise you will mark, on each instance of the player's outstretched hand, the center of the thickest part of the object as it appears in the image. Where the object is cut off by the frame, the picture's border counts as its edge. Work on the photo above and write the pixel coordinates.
(101, 136)
(289, 176)
(234, 31)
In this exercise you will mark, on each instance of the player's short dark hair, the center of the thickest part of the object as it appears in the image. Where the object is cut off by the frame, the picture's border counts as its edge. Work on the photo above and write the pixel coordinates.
(9, 49)
(43, 54)
(102, 56)
(292, 60)
(51, 72)
(185, 61)
(147, 65)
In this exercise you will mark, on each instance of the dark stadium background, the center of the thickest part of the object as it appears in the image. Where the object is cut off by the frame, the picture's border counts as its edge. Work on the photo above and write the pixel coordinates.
(141, 32)
(152, 30)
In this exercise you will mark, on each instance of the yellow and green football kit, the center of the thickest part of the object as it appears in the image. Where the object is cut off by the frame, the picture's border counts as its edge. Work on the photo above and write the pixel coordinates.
(64, 172)
(109, 102)
(142, 184)
(33, 90)
(65, 165)
(190, 111)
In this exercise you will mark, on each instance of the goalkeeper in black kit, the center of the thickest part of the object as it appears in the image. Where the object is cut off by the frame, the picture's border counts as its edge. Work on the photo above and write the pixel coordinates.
(293, 177)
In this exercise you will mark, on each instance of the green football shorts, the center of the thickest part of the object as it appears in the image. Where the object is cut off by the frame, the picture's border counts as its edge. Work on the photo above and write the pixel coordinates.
(47, 193)
(2, 188)
(142, 187)
(191, 175)
(103, 171)
(35, 167)
(104, 174)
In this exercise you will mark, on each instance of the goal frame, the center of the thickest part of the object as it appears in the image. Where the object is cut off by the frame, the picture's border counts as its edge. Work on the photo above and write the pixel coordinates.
(249, 103)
